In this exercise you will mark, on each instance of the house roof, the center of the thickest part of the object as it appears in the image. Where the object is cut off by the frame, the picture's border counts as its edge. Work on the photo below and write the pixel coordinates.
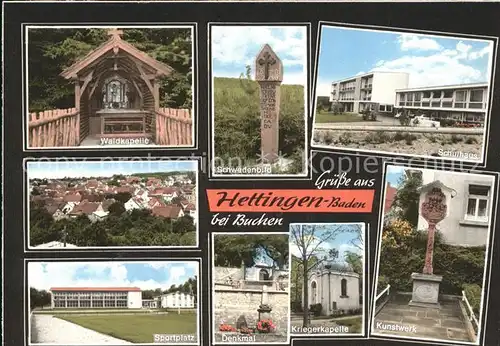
(169, 211)
(85, 207)
(116, 44)
(96, 289)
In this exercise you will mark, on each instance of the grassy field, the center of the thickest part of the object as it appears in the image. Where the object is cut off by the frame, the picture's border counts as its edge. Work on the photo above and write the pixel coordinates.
(353, 323)
(327, 117)
(136, 328)
(237, 125)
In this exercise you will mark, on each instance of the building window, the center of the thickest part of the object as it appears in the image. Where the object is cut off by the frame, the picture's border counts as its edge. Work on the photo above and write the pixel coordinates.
(313, 292)
(263, 275)
(476, 99)
(478, 203)
(447, 94)
(436, 94)
(460, 99)
(382, 108)
(388, 108)
(343, 288)
(426, 95)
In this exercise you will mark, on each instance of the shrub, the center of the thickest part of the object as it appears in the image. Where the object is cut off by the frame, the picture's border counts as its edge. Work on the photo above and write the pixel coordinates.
(470, 140)
(345, 138)
(456, 139)
(473, 294)
(328, 138)
(316, 309)
(403, 253)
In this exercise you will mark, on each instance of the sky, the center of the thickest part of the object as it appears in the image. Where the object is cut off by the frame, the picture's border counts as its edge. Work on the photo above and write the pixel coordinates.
(342, 241)
(145, 275)
(234, 47)
(429, 60)
(76, 169)
(394, 174)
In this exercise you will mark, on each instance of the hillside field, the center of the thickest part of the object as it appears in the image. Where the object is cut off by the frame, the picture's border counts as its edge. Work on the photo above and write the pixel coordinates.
(237, 119)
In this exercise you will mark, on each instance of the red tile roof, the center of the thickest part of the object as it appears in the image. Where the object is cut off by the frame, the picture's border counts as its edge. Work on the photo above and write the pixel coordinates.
(96, 289)
(169, 211)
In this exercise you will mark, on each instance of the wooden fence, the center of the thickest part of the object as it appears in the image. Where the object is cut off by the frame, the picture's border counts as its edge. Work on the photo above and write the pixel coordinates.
(54, 128)
(174, 127)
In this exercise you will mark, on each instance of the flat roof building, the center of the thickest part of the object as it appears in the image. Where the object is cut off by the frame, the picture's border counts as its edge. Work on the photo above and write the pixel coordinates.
(355, 92)
(177, 300)
(463, 102)
(96, 297)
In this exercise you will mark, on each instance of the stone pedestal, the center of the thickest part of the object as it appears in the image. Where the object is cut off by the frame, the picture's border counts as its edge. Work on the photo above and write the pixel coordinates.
(425, 290)
(264, 311)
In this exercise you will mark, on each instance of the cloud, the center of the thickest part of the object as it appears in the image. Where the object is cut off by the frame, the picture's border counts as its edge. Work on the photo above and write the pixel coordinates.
(237, 44)
(445, 67)
(44, 275)
(323, 88)
(417, 42)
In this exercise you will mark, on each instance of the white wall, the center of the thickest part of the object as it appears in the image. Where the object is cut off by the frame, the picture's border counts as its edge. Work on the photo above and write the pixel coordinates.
(176, 300)
(326, 299)
(385, 84)
(454, 228)
(135, 300)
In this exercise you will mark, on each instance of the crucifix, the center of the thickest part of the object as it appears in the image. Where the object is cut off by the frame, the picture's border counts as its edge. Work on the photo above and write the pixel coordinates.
(115, 34)
(267, 61)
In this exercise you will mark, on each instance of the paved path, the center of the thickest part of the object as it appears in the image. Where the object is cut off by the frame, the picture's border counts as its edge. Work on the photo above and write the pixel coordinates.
(445, 323)
(48, 329)
(399, 128)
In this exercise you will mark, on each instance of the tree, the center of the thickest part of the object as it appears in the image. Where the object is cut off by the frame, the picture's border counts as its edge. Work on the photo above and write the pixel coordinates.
(50, 51)
(39, 298)
(310, 241)
(191, 176)
(407, 197)
(123, 197)
(116, 209)
(232, 251)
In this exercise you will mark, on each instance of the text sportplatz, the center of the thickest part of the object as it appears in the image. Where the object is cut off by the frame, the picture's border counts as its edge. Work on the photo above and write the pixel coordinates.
(174, 338)
(295, 201)
(320, 330)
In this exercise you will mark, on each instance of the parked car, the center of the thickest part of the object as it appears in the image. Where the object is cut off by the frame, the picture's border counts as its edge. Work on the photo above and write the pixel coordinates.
(423, 121)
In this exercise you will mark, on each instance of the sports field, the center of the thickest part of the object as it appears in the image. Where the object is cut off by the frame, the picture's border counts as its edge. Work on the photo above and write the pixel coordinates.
(136, 328)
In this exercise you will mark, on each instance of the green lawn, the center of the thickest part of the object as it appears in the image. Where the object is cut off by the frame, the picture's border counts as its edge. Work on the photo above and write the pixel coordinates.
(327, 117)
(353, 323)
(136, 328)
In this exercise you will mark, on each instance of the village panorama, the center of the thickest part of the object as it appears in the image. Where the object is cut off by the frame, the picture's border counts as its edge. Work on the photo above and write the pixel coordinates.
(139, 209)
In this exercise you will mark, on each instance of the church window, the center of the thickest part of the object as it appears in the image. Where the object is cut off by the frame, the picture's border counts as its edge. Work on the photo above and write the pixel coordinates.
(314, 294)
(343, 288)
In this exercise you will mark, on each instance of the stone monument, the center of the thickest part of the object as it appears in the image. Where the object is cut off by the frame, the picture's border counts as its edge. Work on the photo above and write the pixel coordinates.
(433, 209)
(264, 309)
(269, 75)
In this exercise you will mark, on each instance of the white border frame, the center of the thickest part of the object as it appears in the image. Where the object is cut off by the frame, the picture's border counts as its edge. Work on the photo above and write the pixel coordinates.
(307, 95)
(25, 27)
(212, 287)
(396, 30)
(26, 293)
(487, 263)
(83, 160)
(366, 291)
